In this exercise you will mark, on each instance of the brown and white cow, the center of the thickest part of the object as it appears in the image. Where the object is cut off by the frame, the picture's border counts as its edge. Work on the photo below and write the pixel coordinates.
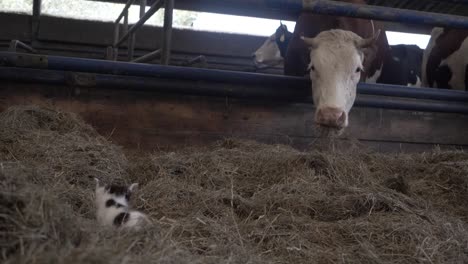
(339, 51)
(445, 59)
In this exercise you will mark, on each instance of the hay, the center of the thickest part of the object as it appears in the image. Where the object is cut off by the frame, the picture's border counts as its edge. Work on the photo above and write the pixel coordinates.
(233, 202)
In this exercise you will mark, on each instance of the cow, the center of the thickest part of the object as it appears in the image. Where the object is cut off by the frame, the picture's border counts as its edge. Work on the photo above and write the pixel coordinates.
(445, 59)
(338, 52)
(274, 48)
(402, 66)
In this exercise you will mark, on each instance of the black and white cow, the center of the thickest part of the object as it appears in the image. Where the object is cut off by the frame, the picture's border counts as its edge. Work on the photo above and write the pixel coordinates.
(402, 66)
(273, 50)
(445, 59)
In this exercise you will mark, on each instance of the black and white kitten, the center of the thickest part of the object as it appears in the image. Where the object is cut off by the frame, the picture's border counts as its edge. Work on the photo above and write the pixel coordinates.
(112, 207)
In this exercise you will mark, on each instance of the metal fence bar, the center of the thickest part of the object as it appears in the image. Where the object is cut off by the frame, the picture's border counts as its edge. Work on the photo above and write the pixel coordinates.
(461, 2)
(131, 47)
(167, 37)
(154, 8)
(223, 89)
(148, 57)
(125, 26)
(199, 59)
(115, 50)
(125, 29)
(125, 9)
(14, 44)
(35, 21)
(335, 8)
(296, 86)
(142, 8)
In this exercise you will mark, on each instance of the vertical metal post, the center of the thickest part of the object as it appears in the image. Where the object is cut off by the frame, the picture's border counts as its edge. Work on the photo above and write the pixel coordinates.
(142, 8)
(131, 46)
(125, 27)
(116, 39)
(35, 20)
(125, 21)
(166, 46)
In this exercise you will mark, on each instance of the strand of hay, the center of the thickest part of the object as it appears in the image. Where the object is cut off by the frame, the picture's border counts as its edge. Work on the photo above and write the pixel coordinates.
(233, 202)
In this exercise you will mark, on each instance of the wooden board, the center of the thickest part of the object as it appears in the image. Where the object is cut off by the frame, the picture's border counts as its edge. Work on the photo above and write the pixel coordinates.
(144, 120)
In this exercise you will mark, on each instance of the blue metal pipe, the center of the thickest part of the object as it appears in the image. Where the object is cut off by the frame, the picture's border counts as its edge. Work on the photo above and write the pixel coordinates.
(218, 76)
(413, 105)
(200, 88)
(148, 70)
(335, 8)
(461, 2)
(416, 93)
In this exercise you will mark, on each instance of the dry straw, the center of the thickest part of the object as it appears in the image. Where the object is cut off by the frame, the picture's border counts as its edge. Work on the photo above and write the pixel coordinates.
(233, 202)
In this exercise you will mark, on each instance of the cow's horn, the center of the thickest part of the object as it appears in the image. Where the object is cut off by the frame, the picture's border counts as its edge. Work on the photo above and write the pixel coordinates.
(311, 42)
(364, 43)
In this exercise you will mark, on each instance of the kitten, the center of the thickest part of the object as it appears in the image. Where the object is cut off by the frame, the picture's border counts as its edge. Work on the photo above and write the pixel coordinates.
(112, 207)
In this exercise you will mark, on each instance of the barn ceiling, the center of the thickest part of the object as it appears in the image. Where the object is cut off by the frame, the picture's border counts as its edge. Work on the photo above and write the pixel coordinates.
(454, 7)
(261, 8)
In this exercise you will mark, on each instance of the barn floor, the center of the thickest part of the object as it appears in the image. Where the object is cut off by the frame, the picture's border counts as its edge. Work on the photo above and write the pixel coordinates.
(232, 202)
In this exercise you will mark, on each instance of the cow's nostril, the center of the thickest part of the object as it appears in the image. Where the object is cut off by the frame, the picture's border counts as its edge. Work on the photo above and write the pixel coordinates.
(341, 120)
(331, 116)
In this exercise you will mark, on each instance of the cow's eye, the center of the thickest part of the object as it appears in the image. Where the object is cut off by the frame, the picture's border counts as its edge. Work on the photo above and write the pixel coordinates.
(358, 69)
(312, 68)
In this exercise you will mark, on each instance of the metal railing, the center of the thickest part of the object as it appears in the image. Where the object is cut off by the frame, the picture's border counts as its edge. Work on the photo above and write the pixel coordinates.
(129, 33)
(379, 13)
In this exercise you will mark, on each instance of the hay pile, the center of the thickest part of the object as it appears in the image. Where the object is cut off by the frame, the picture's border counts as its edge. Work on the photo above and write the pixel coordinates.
(234, 202)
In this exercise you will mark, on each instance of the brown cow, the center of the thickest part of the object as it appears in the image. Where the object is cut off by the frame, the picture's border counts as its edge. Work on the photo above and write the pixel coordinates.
(338, 55)
(445, 59)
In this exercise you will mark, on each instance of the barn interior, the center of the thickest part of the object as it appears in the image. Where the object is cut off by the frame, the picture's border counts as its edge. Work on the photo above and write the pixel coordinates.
(230, 166)
(266, 121)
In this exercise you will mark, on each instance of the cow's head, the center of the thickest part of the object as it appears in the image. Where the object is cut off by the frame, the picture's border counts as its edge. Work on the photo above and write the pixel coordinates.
(336, 64)
(274, 48)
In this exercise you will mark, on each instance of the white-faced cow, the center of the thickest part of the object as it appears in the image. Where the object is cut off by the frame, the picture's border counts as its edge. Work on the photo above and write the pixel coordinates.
(274, 48)
(339, 52)
(445, 59)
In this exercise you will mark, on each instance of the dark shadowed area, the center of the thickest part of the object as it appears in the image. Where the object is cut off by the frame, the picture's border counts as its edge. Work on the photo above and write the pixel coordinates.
(232, 202)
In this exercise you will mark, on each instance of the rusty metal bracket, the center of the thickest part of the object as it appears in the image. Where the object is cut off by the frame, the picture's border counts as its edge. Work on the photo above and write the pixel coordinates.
(81, 79)
(25, 60)
(14, 44)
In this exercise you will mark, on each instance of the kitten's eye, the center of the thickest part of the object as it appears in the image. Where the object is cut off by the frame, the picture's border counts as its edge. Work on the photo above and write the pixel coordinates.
(358, 70)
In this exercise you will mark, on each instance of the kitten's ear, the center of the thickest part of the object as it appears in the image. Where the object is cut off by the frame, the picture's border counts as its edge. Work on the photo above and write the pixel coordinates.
(98, 183)
(133, 187)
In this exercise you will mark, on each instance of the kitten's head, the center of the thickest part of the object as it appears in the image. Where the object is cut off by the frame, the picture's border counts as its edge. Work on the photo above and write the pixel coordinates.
(113, 195)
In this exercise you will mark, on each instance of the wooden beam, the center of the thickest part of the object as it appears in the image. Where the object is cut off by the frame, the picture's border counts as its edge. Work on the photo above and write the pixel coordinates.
(150, 121)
